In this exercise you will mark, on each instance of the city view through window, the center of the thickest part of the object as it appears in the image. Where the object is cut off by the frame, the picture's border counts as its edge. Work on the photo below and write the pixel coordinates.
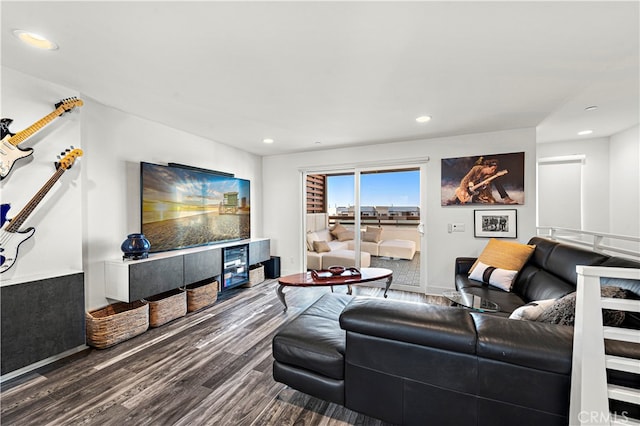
(397, 189)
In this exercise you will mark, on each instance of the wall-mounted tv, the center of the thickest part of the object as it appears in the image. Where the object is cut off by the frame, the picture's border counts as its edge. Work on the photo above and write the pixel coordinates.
(186, 207)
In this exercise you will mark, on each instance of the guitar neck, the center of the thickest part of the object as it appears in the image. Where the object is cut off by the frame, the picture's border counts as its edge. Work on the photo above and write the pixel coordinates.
(486, 181)
(19, 219)
(24, 134)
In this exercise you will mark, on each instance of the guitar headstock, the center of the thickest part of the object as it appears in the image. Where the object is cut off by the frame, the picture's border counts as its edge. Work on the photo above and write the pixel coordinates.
(70, 155)
(502, 172)
(69, 103)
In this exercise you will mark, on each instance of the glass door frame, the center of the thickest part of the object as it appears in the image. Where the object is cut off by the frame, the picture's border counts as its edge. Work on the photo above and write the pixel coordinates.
(357, 170)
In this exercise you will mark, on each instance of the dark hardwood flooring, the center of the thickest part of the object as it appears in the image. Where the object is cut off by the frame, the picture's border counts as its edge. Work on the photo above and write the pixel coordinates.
(211, 367)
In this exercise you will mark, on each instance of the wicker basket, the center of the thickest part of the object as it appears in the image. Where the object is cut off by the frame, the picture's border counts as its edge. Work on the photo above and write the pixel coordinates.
(166, 307)
(116, 323)
(256, 275)
(201, 294)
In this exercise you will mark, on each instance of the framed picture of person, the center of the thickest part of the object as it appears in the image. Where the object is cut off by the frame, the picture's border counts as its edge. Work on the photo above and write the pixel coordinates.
(483, 179)
(495, 223)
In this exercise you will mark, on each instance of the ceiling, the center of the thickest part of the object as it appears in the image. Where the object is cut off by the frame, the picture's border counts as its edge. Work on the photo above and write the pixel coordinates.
(318, 75)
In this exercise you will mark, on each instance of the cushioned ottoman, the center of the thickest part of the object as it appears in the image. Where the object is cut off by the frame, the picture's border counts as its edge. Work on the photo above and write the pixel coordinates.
(309, 351)
(345, 258)
(403, 249)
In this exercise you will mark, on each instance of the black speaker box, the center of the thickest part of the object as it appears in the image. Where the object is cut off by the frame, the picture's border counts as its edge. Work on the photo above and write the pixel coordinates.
(272, 267)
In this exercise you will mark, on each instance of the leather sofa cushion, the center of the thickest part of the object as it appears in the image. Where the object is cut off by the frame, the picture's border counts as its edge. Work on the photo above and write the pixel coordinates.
(309, 382)
(546, 347)
(435, 326)
(551, 271)
(543, 250)
(541, 285)
(564, 258)
(314, 340)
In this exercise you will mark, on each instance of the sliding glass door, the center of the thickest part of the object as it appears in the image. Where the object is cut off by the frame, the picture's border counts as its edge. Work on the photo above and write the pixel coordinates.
(383, 207)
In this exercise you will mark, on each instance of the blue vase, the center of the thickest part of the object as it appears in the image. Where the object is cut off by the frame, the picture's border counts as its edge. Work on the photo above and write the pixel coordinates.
(135, 247)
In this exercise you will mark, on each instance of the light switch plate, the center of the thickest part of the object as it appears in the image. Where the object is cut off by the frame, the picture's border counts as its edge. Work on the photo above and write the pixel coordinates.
(455, 227)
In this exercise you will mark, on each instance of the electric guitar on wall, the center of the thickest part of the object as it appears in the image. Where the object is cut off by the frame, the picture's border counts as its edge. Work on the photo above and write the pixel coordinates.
(10, 235)
(466, 195)
(10, 152)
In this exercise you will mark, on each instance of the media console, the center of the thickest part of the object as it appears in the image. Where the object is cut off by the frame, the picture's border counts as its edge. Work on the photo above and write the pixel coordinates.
(130, 280)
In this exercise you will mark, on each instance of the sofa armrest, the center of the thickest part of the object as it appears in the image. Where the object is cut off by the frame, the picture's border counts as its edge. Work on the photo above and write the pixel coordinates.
(423, 324)
(464, 264)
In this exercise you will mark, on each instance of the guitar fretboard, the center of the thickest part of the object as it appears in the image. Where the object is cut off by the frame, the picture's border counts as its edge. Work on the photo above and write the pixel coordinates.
(24, 134)
(19, 219)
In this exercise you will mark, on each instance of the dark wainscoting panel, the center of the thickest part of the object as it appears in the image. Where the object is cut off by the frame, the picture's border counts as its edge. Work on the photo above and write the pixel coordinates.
(149, 278)
(41, 319)
(202, 265)
(259, 251)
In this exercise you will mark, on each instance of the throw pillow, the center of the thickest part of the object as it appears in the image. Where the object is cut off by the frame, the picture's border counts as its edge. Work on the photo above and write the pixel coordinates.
(372, 237)
(321, 247)
(505, 255)
(564, 309)
(373, 234)
(532, 310)
(337, 229)
(309, 241)
(501, 278)
(345, 235)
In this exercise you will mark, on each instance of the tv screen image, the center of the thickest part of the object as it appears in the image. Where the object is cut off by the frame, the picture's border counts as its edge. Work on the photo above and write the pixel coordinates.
(182, 207)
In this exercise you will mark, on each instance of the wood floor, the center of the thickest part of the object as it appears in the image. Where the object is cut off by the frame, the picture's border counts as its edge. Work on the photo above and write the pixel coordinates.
(212, 367)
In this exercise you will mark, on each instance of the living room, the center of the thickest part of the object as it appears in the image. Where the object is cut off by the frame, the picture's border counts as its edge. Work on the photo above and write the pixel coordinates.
(84, 221)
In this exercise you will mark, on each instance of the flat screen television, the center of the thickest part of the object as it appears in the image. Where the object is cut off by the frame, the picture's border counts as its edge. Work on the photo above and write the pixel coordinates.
(183, 207)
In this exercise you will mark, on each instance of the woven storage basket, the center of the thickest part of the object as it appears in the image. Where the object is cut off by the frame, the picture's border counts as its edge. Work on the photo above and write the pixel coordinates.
(166, 307)
(256, 275)
(116, 323)
(201, 294)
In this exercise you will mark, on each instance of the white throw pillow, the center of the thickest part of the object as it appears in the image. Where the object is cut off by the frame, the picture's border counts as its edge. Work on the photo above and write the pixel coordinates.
(532, 310)
(501, 278)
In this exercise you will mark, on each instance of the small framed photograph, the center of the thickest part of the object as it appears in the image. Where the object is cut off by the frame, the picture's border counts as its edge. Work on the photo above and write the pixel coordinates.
(495, 224)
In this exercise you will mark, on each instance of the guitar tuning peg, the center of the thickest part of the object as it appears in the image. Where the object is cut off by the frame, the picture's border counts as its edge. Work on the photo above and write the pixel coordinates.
(58, 157)
(71, 146)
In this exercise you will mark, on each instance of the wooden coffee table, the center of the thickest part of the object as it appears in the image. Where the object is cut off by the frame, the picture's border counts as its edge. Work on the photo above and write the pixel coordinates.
(304, 279)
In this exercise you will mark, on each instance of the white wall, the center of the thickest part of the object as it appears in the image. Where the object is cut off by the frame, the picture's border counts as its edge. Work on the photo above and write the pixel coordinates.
(611, 180)
(115, 143)
(595, 177)
(624, 189)
(283, 196)
(89, 212)
(56, 247)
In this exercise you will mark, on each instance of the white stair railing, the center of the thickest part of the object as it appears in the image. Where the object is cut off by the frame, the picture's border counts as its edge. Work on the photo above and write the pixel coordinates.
(590, 392)
(600, 242)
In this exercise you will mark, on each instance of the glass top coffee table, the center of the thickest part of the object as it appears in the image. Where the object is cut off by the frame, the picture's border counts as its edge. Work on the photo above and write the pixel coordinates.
(472, 301)
(306, 279)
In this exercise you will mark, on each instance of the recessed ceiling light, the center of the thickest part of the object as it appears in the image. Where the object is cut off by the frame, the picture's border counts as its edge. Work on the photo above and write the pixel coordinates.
(267, 140)
(585, 132)
(35, 40)
(591, 108)
(423, 119)
(317, 142)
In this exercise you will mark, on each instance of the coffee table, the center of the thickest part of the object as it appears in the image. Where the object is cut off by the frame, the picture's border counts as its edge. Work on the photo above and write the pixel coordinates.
(304, 279)
(472, 301)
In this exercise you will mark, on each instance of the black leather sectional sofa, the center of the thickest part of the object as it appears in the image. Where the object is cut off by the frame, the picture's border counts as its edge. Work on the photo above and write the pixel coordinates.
(410, 363)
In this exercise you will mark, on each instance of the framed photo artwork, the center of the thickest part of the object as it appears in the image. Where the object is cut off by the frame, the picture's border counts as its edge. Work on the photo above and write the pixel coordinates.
(483, 179)
(495, 223)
